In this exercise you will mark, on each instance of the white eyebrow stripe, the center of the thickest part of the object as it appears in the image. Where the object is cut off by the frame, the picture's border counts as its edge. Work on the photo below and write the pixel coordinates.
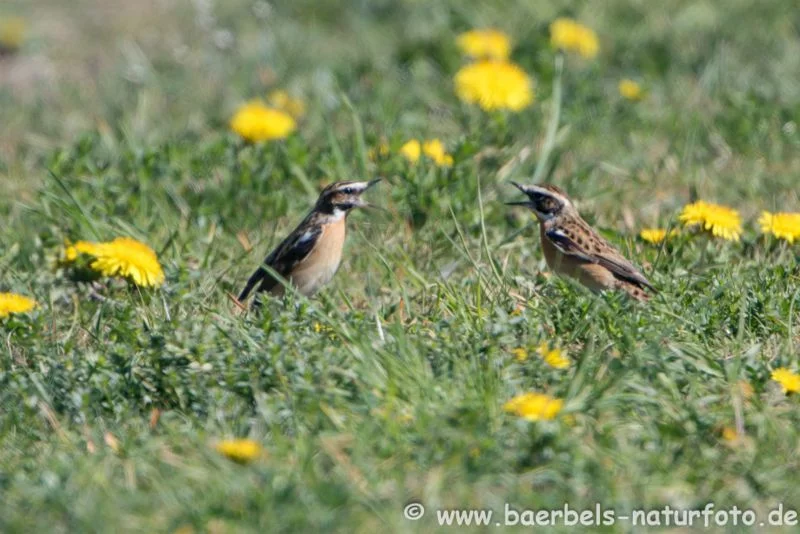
(355, 187)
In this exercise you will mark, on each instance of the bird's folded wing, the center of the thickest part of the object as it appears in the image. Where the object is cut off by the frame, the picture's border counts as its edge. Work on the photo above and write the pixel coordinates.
(293, 250)
(568, 246)
(608, 259)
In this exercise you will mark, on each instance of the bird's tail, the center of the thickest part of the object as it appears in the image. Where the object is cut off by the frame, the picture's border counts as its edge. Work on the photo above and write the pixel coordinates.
(251, 283)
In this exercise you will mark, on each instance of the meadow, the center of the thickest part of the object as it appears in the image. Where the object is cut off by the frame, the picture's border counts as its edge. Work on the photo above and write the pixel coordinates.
(392, 385)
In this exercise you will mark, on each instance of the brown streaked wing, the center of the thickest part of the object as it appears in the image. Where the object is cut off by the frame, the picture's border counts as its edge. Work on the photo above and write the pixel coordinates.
(595, 249)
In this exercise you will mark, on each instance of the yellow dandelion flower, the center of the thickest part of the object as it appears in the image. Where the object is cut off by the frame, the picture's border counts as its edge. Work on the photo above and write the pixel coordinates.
(485, 44)
(323, 328)
(130, 259)
(412, 150)
(494, 85)
(378, 152)
(520, 354)
(630, 90)
(72, 252)
(534, 406)
(657, 235)
(721, 221)
(283, 101)
(12, 33)
(784, 226)
(788, 379)
(571, 36)
(434, 149)
(653, 235)
(730, 434)
(256, 122)
(553, 357)
(13, 303)
(240, 450)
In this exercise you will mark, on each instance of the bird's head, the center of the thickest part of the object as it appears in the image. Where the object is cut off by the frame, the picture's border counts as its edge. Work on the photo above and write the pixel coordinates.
(545, 200)
(340, 197)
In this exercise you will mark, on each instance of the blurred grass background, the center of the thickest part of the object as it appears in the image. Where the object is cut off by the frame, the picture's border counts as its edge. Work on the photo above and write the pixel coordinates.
(389, 387)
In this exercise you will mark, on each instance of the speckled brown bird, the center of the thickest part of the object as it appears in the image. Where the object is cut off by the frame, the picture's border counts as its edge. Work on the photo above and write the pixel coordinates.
(572, 248)
(310, 256)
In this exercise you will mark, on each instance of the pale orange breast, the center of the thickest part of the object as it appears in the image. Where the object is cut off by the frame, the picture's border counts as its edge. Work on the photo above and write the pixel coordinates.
(551, 253)
(318, 268)
(559, 262)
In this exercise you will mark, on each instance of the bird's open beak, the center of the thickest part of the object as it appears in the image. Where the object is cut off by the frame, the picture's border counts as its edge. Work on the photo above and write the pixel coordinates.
(363, 203)
(520, 187)
(526, 203)
(373, 207)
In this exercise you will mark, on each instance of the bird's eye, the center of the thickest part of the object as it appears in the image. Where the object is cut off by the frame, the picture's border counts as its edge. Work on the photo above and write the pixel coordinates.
(347, 191)
(546, 204)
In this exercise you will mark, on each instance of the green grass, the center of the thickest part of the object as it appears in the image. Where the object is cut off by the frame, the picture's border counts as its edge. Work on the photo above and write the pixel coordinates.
(388, 387)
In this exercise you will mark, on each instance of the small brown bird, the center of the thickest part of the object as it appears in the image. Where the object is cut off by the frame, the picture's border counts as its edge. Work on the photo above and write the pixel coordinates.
(572, 248)
(310, 256)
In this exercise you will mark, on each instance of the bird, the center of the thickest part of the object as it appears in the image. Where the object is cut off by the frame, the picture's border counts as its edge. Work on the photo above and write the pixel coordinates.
(309, 257)
(573, 248)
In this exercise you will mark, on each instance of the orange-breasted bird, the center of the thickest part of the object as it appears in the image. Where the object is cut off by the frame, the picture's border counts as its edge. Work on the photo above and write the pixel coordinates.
(573, 248)
(309, 257)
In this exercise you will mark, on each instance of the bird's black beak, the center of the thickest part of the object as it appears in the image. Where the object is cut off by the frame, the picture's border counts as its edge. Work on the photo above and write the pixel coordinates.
(363, 203)
(374, 207)
(520, 187)
(526, 203)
